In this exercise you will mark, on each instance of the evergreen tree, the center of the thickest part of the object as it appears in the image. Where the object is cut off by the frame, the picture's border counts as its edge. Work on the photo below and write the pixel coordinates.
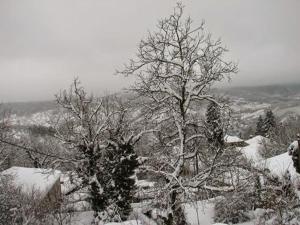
(260, 126)
(214, 134)
(269, 122)
(119, 164)
(264, 125)
(257, 192)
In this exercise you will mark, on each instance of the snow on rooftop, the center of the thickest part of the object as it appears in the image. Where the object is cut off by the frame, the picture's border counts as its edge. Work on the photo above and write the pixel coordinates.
(33, 179)
(278, 165)
(129, 222)
(220, 224)
(257, 140)
(232, 139)
(144, 183)
(293, 145)
(252, 150)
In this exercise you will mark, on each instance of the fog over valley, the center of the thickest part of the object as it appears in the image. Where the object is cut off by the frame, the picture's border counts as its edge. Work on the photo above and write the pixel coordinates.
(136, 112)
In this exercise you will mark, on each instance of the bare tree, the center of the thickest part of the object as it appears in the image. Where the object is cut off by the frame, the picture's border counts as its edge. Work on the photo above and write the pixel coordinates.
(175, 68)
(100, 137)
(5, 130)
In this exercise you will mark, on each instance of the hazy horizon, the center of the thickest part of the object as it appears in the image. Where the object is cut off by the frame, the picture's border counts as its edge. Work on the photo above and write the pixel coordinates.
(45, 44)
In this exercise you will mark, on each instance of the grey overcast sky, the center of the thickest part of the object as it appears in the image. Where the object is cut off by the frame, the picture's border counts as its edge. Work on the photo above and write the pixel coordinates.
(44, 44)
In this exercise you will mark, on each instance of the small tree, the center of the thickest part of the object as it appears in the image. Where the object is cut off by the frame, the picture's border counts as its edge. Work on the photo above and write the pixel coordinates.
(260, 126)
(119, 164)
(215, 132)
(100, 141)
(269, 122)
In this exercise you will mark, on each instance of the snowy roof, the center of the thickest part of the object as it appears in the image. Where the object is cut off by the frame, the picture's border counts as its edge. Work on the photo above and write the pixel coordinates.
(293, 145)
(255, 145)
(33, 179)
(129, 222)
(257, 140)
(279, 164)
(232, 139)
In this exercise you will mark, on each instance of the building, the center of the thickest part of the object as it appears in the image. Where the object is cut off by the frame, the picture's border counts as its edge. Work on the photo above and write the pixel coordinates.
(44, 184)
(234, 141)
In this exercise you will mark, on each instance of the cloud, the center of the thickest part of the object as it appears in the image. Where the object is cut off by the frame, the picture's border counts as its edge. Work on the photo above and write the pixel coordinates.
(45, 44)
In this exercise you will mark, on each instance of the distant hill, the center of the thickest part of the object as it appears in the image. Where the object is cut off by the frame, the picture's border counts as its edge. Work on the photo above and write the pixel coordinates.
(251, 101)
(28, 108)
(269, 93)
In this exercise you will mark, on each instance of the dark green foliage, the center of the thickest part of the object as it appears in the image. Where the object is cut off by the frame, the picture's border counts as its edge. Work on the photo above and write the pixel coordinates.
(269, 121)
(257, 192)
(180, 216)
(214, 133)
(295, 152)
(260, 126)
(265, 125)
(119, 164)
(88, 170)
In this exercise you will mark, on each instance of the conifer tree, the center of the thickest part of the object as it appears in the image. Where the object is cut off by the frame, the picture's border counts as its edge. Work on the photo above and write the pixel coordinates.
(260, 126)
(215, 134)
(119, 164)
(269, 121)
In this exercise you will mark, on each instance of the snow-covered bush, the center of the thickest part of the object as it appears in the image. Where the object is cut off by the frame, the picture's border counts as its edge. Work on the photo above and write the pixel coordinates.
(8, 199)
(281, 204)
(18, 207)
(273, 197)
(270, 217)
(271, 148)
(233, 208)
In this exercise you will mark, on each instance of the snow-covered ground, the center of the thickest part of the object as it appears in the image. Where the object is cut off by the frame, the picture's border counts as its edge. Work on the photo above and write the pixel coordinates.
(202, 212)
(251, 151)
(278, 165)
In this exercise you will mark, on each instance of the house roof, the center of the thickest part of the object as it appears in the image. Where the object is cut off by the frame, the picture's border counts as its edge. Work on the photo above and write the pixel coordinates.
(232, 139)
(33, 179)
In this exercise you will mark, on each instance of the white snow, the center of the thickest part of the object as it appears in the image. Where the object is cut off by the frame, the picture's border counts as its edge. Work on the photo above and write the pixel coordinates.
(293, 146)
(219, 224)
(33, 179)
(83, 218)
(201, 212)
(257, 140)
(129, 222)
(251, 151)
(232, 139)
(278, 165)
(144, 183)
